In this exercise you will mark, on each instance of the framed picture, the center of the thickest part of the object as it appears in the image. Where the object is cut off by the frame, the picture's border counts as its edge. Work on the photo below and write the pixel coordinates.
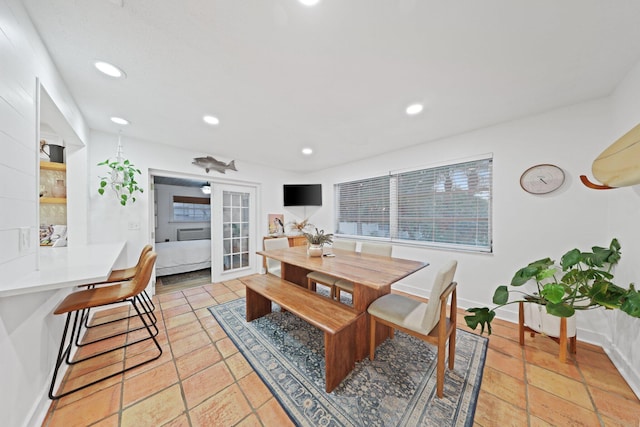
(276, 224)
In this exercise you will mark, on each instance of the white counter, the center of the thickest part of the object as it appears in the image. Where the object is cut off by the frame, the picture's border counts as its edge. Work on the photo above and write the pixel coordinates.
(67, 267)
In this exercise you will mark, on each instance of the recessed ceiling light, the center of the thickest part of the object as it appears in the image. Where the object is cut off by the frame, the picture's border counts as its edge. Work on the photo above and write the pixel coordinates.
(414, 109)
(109, 69)
(120, 120)
(309, 2)
(307, 151)
(211, 120)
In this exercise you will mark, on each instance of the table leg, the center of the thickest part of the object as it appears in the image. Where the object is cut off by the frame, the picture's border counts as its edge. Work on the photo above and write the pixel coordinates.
(295, 274)
(363, 296)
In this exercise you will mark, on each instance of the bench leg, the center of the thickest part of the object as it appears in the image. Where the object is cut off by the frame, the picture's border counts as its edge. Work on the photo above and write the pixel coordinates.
(339, 355)
(257, 305)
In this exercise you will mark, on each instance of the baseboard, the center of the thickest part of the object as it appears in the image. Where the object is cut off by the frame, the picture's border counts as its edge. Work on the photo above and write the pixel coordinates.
(39, 409)
(630, 373)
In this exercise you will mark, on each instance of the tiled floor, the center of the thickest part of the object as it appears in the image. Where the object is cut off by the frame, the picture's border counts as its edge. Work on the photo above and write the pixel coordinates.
(202, 380)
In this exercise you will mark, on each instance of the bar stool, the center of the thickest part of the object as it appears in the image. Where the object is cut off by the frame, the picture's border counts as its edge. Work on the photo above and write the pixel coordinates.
(122, 275)
(77, 302)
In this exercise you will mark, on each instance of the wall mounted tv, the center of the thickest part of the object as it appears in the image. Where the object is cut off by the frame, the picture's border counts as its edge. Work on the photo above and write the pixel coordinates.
(302, 194)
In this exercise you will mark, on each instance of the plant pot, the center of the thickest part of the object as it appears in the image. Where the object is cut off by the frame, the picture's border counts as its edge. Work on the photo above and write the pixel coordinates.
(537, 318)
(314, 250)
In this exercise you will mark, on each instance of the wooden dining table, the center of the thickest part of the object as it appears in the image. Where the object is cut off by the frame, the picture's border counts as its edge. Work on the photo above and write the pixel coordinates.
(372, 276)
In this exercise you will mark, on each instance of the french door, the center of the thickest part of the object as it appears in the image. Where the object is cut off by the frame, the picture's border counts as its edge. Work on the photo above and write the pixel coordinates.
(233, 230)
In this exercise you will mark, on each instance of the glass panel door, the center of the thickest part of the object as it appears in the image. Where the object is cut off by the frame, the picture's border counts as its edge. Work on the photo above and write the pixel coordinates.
(233, 247)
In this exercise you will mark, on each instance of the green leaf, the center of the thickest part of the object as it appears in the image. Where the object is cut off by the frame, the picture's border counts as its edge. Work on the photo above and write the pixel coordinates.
(481, 316)
(571, 258)
(545, 274)
(529, 272)
(501, 295)
(126, 162)
(607, 294)
(553, 292)
(631, 303)
(560, 310)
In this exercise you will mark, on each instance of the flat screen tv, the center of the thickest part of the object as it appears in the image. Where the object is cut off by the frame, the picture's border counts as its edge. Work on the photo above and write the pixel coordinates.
(302, 194)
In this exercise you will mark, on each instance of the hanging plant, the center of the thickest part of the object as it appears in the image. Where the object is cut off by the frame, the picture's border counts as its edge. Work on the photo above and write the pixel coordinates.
(121, 179)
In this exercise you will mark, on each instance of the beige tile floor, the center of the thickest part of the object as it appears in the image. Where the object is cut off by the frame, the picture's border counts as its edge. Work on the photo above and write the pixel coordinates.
(202, 380)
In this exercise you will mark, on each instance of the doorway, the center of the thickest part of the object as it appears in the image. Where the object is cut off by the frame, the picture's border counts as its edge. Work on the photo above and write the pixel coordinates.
(200, 244)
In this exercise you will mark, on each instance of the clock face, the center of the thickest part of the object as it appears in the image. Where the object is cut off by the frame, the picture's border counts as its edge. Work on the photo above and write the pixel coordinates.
(542, 179)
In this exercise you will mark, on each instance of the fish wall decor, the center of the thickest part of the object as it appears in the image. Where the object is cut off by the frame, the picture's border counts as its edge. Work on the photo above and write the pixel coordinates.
(209, 163)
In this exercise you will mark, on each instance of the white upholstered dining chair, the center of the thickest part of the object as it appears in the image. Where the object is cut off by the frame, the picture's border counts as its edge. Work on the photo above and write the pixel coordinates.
(274, 266)
(427, 321)
(315, 277)
(366, 248)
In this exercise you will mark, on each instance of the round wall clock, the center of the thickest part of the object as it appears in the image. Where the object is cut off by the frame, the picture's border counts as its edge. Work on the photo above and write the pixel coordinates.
(542, 179)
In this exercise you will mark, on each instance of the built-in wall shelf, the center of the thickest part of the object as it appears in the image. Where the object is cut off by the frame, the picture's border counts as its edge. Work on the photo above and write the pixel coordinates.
(52, 166)
(53, 200)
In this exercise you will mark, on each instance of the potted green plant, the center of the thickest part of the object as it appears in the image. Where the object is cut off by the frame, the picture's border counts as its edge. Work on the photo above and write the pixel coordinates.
(121, 179)
(582, 281)
(316, 241)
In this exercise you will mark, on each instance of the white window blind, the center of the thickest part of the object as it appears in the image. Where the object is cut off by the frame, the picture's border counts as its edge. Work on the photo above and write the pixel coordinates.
(447, 205)
(191, 209)
(363, 207)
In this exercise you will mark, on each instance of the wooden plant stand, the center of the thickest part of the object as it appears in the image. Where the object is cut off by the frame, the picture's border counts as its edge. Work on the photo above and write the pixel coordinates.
(562, 339)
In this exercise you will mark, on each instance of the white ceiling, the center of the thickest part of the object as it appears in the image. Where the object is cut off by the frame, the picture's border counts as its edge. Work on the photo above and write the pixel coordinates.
(335, 77)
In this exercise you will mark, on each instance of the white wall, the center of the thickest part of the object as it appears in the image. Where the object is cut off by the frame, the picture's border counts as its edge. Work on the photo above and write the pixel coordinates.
(28, 331)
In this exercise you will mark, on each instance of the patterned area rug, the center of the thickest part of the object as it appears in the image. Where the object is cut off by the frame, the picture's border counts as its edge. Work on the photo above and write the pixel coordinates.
(397, 389)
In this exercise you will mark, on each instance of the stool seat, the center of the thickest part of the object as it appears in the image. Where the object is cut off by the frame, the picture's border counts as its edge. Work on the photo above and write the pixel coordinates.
(96, 297)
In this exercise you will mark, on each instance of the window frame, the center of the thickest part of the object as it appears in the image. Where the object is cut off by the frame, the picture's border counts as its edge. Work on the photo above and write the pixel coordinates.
(395, 209)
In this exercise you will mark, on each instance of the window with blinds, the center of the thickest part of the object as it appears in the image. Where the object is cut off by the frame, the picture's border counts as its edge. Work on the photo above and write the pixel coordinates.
(362, 207)
(191, 209)
(448, 205)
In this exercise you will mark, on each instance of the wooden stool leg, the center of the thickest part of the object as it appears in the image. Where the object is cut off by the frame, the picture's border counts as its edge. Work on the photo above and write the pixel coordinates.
(521, 322)
(563, 340)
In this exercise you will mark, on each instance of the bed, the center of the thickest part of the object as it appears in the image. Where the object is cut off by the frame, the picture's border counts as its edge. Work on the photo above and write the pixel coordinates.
(183, 255)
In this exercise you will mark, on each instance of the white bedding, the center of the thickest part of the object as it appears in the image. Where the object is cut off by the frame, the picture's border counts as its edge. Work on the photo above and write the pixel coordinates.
(180, 257)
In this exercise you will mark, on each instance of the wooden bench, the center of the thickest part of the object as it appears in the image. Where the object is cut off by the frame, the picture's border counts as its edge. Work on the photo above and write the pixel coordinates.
(337, 321)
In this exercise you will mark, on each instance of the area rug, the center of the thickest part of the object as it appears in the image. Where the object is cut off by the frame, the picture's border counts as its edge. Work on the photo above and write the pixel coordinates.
(397, 389)
(192, 277)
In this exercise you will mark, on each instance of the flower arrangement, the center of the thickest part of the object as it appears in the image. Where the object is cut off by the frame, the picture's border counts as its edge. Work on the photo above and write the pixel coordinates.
(300, 226)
